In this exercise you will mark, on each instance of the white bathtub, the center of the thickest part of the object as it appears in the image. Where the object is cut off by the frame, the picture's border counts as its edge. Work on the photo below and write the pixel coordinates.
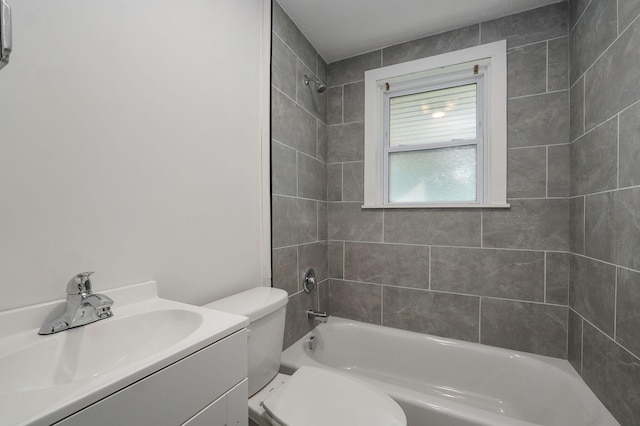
(446, 382)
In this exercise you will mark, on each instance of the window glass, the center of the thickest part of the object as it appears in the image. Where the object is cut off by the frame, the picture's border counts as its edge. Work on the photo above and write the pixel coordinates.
(433, 116)
(433, 176)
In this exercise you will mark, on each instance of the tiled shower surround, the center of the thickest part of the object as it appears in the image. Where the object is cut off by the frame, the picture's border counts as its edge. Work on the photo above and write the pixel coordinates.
(556, 274)
(299, 171)
(604, 297)
(494, 276)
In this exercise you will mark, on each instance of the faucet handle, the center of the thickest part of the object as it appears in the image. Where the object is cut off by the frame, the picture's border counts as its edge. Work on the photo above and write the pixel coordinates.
(80, 284)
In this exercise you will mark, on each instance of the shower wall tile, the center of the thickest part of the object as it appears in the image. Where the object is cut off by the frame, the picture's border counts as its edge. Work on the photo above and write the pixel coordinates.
(529, 327)
(611, 84)
(527, 172)
(313, 255)
(298, 172)
(558, 172)
(441, 314)
(482, 272)
(375, 249)
(324, 302)
(576, 9)
(613, 374)
(527, 70)
(538, 120)
(292, 125)
(323, 233)
(346, 143)
(594, 160)
(284, 27)
(334, 105)
(334, 182)
(312, 181)
(557, 278)
(294, 221)
(433, 226)
(356, 301)
(630, 146)
(348, 221)
(321, 141)
(586, 43)
(308, 96)
(611, 227)
(627, 311)
(574, 346)
(529, 224)
(576, 225)
(353, 181)
(433, 45)
(296, 322)
(577, 109)
(336, 259)
(558, 67)
(285, 269)
(592, 291)
(354, 102)
(528, 27)
(628, 11)
(283, 67)
(284, 178)
(352, 69)
(401, 265)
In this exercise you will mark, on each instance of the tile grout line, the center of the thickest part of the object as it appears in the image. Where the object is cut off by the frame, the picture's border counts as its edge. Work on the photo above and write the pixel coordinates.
(618, 156)
(547, 67)
(615, 307)
(606, 335)
(544, 279)
(429, 278)
(584, 224)
(538, 94)
(468, 295)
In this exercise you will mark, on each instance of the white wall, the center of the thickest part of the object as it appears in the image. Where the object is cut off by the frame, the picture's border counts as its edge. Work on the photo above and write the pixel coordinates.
(131, 145)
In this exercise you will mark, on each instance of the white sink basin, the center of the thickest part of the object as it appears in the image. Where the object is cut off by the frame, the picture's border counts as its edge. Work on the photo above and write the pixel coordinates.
(94, 349)
(45, 378)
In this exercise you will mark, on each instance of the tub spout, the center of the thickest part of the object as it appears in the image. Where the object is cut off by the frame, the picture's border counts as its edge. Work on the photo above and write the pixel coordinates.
(317, 315)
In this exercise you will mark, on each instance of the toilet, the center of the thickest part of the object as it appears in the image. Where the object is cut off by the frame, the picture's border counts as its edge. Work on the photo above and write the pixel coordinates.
(311, 396)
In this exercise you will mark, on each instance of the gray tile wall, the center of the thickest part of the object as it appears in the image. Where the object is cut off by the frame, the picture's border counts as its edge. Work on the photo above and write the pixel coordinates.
(499, 277)
(299, 172)
(557, 274)
(604, 297)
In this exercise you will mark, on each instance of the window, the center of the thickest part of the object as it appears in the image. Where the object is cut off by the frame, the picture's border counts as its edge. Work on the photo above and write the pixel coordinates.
(435, 131)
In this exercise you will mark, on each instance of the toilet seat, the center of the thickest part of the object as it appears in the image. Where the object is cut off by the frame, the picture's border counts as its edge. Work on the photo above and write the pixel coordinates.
(321, 397)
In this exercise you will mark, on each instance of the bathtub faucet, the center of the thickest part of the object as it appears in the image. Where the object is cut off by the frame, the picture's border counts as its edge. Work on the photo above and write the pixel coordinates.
(317, 315)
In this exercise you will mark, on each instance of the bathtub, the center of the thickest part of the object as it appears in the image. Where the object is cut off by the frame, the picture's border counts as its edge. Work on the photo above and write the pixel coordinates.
(446, 382)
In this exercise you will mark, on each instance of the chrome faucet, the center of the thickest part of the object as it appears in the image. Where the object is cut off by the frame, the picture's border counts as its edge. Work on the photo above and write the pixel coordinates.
(317, 315)
(82, 308)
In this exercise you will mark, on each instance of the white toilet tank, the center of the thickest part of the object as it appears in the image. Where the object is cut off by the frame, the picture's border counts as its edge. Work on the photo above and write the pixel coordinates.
(266, 308)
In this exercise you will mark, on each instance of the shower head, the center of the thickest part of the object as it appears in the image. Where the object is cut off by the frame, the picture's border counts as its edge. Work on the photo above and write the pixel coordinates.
(320, 86)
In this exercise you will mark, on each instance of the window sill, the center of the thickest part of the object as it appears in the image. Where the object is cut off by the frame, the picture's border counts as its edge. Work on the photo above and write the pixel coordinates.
(438, 206)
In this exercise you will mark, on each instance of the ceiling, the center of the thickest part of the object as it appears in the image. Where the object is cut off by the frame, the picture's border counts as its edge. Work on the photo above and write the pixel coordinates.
(340, 29)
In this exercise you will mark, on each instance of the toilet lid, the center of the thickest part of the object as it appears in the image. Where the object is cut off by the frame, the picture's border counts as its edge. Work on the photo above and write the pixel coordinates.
(321, 397)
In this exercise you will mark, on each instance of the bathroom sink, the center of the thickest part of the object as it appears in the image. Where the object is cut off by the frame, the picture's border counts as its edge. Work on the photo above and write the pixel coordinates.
(94, 349)
(46, 378)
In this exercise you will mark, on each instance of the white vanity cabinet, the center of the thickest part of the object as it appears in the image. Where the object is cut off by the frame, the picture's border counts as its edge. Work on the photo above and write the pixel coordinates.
(208, 387)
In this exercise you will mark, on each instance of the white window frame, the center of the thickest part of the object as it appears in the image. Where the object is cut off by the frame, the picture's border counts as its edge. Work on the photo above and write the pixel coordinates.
(492, 168)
